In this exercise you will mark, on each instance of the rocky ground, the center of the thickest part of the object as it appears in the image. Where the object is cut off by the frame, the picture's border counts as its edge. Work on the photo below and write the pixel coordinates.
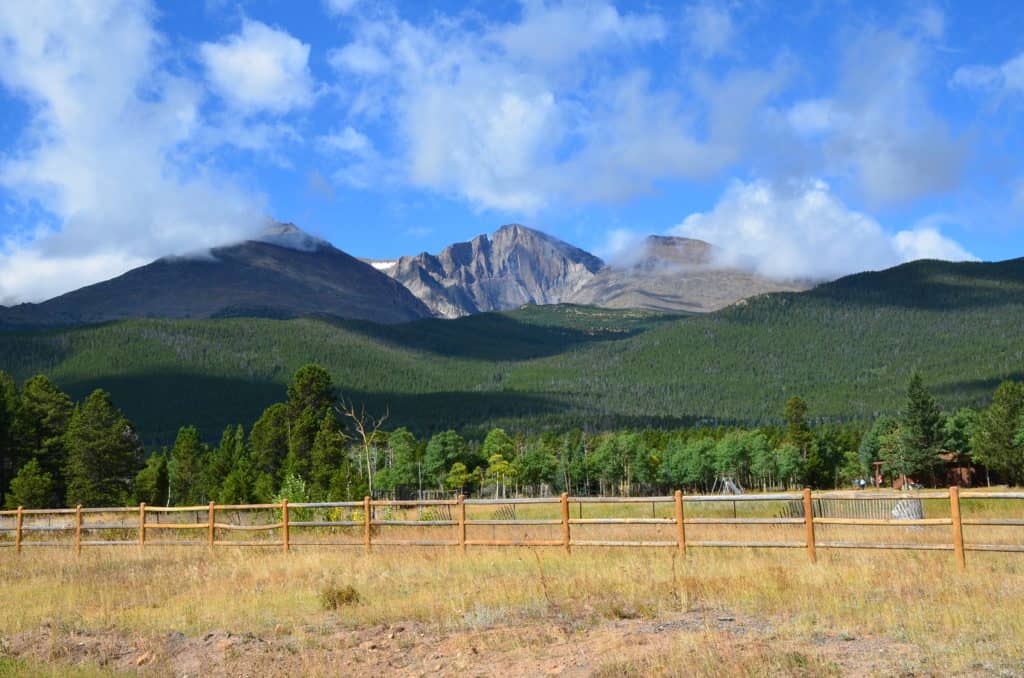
(699, 642)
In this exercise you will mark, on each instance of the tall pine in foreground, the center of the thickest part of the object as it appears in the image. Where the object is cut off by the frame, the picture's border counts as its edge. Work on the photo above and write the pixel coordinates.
(995, 443)
(104, 454)
(187, 469)
(43, 419)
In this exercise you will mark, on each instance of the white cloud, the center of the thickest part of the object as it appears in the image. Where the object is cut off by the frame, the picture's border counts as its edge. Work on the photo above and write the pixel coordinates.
(260, 69)
(622, 247)
(932, 21)
(1004, 79)
(711, 30)
(558, 34)
(347, 140)
(805, 231)
(928, 243)
(363, 166)
(879, 127)
(106, 153)
(339, 7)
(515, 116)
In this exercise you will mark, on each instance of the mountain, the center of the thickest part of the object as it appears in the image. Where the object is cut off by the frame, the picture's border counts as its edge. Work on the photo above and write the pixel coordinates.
(283, 273)
(847, 347)
(671, 274)
(518, 265)
(514, 266)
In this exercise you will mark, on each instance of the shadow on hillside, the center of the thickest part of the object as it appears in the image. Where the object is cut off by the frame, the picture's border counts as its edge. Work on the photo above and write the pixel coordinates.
(499, 336)
(158, 404)
(24, 354)
(930, 285)
(980, 390)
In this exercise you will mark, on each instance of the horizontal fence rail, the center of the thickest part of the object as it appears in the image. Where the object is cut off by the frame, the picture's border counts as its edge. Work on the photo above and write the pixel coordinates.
(789, 520)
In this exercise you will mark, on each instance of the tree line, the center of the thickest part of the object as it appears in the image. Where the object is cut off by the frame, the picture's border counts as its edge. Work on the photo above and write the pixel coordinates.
(317, 446)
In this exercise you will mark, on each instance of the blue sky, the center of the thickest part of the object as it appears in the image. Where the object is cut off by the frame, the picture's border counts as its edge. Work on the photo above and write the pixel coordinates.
(804, 139)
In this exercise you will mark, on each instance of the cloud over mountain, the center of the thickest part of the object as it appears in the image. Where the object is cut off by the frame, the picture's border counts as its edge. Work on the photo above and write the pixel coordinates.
(804, 230)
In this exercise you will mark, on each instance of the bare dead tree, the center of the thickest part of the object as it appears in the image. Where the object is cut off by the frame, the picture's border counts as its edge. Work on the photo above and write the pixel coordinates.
(366, 426)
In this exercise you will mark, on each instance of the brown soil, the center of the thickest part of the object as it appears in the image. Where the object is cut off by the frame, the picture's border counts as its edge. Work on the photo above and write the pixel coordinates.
(697, 642)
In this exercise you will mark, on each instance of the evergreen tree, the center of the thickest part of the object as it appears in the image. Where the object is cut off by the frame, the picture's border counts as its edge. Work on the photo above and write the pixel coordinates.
(31, 488)
(326, 458)
(922, 424)
(268, 441)
(221, 460)
(151, 483)
(957, 432)
(798, 433)
(240, 484)
(302, 432)
(104, 454)
(995, 444)
(43, 418)
(310, 395)
(186, 469)
(10, 454)
(311, 389)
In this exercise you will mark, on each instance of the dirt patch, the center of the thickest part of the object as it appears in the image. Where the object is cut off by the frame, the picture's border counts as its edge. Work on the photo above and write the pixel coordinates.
(699, 642)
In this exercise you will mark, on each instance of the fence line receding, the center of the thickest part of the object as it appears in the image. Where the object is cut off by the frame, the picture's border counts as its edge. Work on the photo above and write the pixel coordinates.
(794, 520)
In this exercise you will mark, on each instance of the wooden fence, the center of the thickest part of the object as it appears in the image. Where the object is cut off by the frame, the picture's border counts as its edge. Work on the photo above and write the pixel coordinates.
(362, 524)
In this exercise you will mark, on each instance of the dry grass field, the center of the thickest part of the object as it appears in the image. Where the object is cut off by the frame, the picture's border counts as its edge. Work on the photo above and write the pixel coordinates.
(508, 611)
(404, 610)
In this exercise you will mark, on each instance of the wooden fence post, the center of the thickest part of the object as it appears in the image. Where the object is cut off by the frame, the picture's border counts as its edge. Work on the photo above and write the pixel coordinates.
(284, 525)
(958, 530)
(78, 530)
(366, 524)
(210, 524)
(809, 522)
(680, 526)
(142, 524)
(566, 534)
(18, 523)
(462, 523)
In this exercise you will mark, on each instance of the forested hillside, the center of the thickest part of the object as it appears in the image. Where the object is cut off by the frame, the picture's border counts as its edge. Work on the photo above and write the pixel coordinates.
(848, 348)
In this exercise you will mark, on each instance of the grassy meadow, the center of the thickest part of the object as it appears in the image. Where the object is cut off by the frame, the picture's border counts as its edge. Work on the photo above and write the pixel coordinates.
(166, 610)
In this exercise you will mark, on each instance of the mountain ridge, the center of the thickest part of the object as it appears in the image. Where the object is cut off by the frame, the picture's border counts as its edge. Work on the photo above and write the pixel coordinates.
(283, 272)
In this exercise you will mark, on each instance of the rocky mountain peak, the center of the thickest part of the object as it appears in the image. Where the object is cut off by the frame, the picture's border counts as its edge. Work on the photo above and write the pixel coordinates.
(513, 266)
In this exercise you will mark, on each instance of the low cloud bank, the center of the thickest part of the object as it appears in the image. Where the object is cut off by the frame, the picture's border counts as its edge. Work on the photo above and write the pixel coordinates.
(804, 231)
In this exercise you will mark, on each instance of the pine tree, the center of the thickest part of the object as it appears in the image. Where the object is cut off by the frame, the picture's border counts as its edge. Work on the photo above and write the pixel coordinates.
(151, 483)
(268, 441)
(43, 419)
(10, 454)
(995, 443)
(187, 478)
(798, 433)
(32, 488)
(222, 460)
(922, 423)
(326, 457)
(311, 389)
(105, 454)
(302, 432)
